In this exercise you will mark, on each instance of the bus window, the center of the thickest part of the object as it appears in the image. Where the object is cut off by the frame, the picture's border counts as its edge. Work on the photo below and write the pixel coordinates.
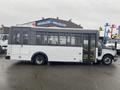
(72, 40)
(78, 41)
(45, 39)
(38, 39)
(16, 38)
(62, 40)
(68, 40)
(25, 38)
(53, 39)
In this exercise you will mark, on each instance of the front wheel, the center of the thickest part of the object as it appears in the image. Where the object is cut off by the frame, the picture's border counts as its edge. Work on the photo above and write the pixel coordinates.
(107, 60)
(39, 60)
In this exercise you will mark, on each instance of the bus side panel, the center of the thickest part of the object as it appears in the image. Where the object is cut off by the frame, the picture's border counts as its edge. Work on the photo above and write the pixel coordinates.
(14, 52)
(59, 53)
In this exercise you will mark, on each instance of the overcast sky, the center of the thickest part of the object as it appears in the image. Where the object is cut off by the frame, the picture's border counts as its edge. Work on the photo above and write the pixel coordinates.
(88, 13)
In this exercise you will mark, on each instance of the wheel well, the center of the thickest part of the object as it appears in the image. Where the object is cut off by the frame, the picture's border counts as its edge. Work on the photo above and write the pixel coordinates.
(108, 55)
(39, 53)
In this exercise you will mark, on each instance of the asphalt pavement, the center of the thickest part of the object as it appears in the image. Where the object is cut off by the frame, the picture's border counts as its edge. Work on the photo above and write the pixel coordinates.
(21, 75)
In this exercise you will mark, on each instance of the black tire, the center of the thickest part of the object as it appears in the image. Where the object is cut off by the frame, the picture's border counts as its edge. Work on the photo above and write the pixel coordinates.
(39, 60)
(107, 60)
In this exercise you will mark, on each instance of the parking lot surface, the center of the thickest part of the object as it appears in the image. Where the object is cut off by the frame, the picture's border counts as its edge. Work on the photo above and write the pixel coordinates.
(21, 75)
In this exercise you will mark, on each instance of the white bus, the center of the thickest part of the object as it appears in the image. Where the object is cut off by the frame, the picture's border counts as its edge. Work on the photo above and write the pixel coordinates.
(43, 45)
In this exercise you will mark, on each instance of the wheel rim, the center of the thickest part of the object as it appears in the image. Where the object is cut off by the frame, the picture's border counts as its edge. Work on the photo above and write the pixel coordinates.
(39, 60)
(107, 60)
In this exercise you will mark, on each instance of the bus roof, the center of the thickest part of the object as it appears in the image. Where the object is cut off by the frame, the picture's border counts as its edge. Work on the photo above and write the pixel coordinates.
(57, 29)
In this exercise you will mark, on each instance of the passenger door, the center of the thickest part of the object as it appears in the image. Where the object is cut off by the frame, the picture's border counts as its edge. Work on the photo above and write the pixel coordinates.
(89, 48)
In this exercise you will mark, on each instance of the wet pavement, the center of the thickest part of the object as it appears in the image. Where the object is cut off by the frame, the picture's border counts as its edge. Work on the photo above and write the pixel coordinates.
(20, 75)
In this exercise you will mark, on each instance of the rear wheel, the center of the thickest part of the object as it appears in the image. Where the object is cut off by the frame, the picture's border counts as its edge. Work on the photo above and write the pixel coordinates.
(39, 60)
(107, 60)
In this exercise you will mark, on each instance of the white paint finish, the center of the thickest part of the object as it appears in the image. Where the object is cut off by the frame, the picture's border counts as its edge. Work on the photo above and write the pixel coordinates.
(107, 51)
(60, 53)
(15, 49)
(25, 52)
(54, 53)
(19, 52)
(9, 50)
(96, 52)
(118, 46)
(110, 44)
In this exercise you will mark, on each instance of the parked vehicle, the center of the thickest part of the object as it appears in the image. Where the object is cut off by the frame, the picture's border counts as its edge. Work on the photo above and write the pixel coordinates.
(4, 31)
(111, 43)
(3, 43)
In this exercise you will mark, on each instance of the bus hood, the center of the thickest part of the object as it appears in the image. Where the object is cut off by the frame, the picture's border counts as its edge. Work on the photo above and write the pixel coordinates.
(109, 51)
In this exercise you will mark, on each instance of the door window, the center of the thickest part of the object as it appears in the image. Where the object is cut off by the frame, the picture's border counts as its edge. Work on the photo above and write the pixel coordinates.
(85, 47)
(92, 47)
(16, 38)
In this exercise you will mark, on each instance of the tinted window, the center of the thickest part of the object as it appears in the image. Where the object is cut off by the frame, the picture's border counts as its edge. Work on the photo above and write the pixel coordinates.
(45, 39)
(78, 40)
(25, 38)
(68, 40)
(62, 40)
(65, 39)
(16, 38)
(72, 40)
(53, 39)
(38, 39)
